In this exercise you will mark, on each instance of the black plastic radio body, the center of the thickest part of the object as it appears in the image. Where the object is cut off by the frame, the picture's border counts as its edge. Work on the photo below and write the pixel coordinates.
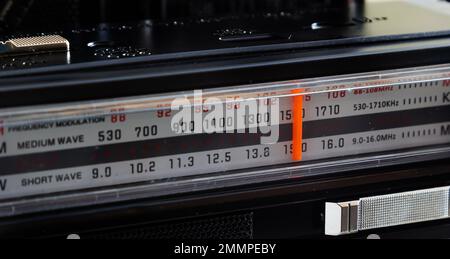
(152, 47)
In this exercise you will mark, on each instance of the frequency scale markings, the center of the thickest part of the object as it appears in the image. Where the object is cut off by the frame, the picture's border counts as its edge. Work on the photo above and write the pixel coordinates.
(121, 148)
(122, 127)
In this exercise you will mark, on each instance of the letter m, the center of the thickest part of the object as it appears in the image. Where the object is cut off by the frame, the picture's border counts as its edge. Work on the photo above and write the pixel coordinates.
(2, 147)
(445, 130)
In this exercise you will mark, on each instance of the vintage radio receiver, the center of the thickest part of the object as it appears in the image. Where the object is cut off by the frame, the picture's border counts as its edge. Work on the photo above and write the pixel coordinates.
(288, 102)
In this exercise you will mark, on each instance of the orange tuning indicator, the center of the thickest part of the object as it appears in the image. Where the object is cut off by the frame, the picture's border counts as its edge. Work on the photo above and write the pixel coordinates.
(297, 124)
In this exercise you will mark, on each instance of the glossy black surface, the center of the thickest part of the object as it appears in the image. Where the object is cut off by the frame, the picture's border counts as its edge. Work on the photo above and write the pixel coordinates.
(289, 209)
(257, 32)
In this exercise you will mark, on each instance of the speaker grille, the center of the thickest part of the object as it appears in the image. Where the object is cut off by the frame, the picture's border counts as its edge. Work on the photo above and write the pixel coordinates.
(225, 227)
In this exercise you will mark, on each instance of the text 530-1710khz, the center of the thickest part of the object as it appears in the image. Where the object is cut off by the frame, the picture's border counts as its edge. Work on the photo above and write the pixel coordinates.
(237, 248)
